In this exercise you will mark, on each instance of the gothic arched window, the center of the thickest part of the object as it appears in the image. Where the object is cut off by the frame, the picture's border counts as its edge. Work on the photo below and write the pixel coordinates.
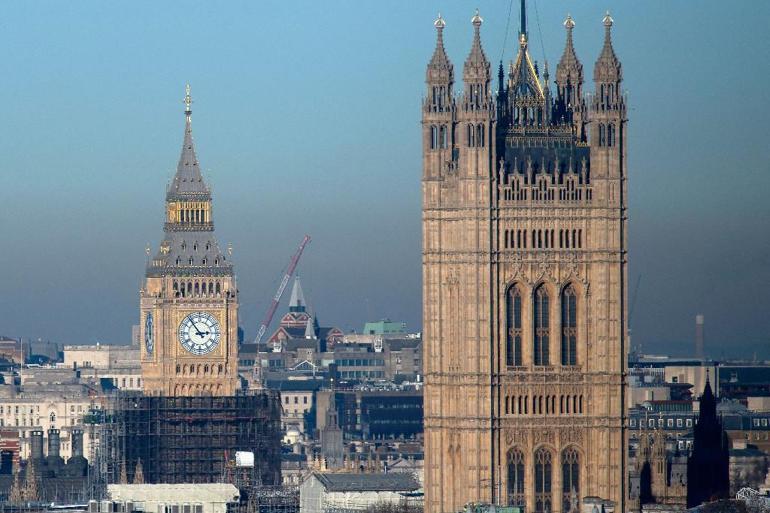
(543, 471)
(542, 326)
(601, 135)
(570, 479)
(513, 323)
(569, 326)
(515, 478)
(480, 135)
(433, 137)
(442, 142)
(471, 136)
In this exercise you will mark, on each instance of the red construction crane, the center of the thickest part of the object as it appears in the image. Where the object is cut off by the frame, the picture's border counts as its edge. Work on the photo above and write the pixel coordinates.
(281, 288)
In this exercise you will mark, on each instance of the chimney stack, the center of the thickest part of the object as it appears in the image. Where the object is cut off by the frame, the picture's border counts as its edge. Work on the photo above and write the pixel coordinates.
(54, 449)
(699, 345)
(77, 443)
(36, 446)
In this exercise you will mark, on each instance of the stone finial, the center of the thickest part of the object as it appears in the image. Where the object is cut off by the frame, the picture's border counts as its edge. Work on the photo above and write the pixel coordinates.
(439, 23)
(477, 20)
(607, 20)
(569, 23)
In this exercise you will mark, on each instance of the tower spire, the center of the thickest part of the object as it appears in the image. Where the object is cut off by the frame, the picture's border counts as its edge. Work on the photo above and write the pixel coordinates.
(607, 68)
(188, 180)
(439, 63)
(476, 70)
(523, 31)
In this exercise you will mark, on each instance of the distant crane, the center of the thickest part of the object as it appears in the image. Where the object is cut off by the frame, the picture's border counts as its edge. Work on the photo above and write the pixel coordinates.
(277, 298)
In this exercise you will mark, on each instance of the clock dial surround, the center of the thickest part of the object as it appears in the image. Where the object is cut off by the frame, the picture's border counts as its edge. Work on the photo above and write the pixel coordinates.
(199, 333)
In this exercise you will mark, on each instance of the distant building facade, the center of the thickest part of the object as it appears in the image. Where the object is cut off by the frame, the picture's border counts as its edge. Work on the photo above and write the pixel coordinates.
(524, 215)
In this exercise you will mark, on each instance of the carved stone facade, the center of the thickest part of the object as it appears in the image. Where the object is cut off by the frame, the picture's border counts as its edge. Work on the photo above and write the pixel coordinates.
(524, 281)
(189, 301)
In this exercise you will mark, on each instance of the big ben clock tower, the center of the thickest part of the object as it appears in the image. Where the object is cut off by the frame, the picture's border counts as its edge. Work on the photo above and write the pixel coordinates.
(189, 302)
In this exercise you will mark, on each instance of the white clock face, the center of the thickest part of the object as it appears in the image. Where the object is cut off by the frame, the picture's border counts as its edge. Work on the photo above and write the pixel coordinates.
(199, 333)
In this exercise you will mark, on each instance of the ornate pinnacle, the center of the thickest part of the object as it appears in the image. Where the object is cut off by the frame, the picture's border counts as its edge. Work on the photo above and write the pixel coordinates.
(187, 100)
(607, 20)
(477, 20)
(569, 23)
(439, 23)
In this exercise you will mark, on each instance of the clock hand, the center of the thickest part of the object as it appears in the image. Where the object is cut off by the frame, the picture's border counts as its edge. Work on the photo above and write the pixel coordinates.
(200, 334)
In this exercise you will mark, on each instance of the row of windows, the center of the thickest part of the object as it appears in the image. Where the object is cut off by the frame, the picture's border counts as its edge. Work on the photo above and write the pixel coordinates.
(197, 389)
(365, 362)
(568, 239)
(528, 116)
(296, 399)
(662, 422)
(607, 134)
(362, 374)
(130, 382)
(192, 216)
(439, 137)
(543, 405)
(474, 135)
(198, 370)
(439, 98)
(541, 326)
(197, 288)
(543, 479)
(565, 194)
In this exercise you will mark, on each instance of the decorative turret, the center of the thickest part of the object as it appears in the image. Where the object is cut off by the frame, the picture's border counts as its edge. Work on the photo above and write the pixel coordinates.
(570, 106)
(526, 102)
(607, 70)
(438, 107)
(608, 106)
(569, 72)
(476, 73)
(440, 73)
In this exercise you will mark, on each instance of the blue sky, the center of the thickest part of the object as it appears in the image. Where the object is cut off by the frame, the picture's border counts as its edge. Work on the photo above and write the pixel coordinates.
(306, 120)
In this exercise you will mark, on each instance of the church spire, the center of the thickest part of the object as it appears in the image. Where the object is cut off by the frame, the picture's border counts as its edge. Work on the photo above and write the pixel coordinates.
(297, 300)
(188, 181)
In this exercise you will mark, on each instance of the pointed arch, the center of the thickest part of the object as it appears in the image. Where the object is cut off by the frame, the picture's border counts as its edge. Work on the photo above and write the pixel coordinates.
(541, 325)
(569, 325)
(515, 482)
(543, 466)
(570, 479)
(513, 326)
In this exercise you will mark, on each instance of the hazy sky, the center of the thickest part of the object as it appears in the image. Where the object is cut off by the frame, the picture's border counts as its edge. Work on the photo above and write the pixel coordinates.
(307, 120)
